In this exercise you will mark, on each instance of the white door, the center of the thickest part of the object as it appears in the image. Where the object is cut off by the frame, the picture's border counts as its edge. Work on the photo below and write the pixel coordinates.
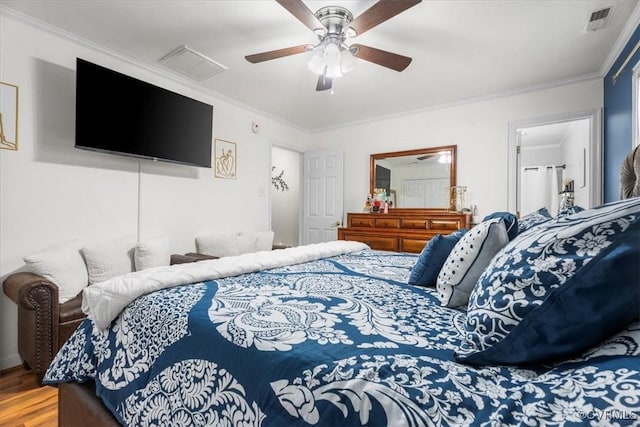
(323, 192)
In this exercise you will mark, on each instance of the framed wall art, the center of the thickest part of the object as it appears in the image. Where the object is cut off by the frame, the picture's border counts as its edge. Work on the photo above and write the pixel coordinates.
(225, 159)
(8, 116)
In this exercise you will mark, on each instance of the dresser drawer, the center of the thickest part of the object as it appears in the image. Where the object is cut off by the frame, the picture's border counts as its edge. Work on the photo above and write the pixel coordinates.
(387, 222)
(413, 224)
(444, 224)
(359, 221)
(412, 245)
(382, 243)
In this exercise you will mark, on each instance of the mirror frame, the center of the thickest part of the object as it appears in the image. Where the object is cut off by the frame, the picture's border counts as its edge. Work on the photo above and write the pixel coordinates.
(428, 150)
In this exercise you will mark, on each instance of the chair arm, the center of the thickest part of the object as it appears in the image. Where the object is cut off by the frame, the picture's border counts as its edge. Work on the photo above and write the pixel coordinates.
(279, 246)
(28, 290)
(181, 259)
(38, 318)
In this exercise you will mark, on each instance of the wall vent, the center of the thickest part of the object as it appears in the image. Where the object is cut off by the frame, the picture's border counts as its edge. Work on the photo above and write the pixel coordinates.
(192, 64)
(598, 19)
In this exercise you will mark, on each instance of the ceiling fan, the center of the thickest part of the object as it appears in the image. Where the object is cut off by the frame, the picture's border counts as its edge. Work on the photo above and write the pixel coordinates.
(443, 157)
(334, 25)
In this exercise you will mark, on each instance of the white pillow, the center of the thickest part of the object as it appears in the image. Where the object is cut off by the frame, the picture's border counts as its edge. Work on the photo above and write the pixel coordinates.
(109, 259)
(220, 244)
(62, 265)
(152, 253)
(265, 240)
(468, 260)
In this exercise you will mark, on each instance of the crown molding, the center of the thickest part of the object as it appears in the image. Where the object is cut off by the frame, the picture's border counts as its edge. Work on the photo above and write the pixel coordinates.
(484, 98)
(41, 25)
(621, 41)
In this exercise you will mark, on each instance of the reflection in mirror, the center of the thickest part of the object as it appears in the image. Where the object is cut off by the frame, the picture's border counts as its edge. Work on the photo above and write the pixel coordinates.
(415, 178)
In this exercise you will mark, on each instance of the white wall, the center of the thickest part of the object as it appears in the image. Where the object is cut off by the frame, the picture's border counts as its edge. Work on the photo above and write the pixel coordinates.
(480, 130)
(51, 192)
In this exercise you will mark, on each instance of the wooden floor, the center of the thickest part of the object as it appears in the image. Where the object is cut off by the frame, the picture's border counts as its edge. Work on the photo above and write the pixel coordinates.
(23, 403)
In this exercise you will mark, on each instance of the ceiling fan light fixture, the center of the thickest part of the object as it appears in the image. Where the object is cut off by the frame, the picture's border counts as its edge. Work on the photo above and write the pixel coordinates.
(316, 64)
(347, 61)
(334, 71)
(445, 158)
(333, 59)
(332, 55)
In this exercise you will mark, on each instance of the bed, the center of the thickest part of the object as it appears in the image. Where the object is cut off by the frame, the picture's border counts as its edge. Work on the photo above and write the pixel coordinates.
(330, 334)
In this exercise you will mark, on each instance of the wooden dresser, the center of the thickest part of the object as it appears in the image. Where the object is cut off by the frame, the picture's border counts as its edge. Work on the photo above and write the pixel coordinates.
(401, 230)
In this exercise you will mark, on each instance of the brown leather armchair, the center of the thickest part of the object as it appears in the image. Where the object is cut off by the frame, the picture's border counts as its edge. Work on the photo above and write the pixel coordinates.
(44, 324)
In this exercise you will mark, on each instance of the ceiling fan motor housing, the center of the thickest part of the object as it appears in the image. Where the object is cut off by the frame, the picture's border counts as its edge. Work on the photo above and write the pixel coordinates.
(336, 19)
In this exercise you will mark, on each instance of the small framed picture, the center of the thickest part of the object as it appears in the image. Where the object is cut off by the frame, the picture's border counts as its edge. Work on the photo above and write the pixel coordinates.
(225, 161)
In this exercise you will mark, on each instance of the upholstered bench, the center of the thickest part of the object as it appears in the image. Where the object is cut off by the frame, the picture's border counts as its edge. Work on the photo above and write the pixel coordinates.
(45, 324)
(48, 290)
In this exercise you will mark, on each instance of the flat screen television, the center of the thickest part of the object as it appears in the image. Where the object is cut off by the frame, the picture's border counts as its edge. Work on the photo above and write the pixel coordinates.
(116, 113)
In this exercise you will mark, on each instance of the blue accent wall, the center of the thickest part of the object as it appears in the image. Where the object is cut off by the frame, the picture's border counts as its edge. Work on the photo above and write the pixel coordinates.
(618, 140)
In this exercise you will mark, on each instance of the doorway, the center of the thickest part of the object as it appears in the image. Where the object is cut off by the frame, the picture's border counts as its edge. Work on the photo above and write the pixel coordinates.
(286, 196)
(549, 155)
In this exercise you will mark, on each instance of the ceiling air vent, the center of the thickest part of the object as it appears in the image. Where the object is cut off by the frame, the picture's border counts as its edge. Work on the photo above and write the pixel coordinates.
(192, 64)
(598, 19)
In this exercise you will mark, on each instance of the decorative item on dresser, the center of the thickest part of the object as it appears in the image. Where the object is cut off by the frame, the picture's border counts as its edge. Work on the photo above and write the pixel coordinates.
(402, 230)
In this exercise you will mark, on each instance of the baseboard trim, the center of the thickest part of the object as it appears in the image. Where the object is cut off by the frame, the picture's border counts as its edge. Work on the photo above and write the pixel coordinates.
(10, 362)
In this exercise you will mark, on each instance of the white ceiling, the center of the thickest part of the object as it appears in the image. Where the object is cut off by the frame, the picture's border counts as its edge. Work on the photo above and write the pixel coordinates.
(537, 137)
(461, 49)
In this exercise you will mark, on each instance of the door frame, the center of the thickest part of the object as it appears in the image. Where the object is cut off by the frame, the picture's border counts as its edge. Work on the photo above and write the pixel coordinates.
(595, 151)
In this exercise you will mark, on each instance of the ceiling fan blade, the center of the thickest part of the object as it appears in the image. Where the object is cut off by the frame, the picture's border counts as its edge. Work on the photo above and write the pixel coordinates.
(380, 12)
(382, 57)
(324, 82)
(303, 13)
(273, 54)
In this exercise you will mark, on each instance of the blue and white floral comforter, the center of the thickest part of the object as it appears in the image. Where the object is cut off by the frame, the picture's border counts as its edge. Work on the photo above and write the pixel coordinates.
(332, 342)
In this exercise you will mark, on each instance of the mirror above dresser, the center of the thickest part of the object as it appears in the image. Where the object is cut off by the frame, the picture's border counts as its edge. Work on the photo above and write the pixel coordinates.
(419, 179)
(418, 182)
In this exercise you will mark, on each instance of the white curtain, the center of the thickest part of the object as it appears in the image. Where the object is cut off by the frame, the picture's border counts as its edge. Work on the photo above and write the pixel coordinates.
(539, 187)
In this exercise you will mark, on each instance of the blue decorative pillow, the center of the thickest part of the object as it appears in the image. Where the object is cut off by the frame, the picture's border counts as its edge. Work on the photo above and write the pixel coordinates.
(557, 290)
(510, 222)
(468, 259)
(532, 219)
(425, 271)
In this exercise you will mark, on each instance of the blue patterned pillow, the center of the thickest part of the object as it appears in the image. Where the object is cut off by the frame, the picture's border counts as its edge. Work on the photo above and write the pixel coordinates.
(510, 222)
(425, 271)
(468, 259)
(557, 290)
(534, 218)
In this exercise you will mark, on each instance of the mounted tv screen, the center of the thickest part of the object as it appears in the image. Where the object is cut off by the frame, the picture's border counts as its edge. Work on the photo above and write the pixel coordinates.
(116, 113)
